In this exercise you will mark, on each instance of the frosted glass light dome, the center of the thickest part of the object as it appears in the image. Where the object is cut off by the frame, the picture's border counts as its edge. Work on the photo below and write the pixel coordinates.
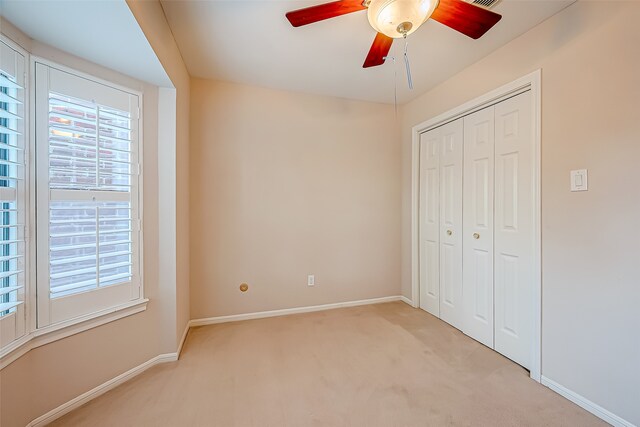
(397, 18)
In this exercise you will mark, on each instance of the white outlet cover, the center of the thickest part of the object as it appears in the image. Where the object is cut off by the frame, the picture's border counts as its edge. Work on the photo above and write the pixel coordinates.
(311, 280)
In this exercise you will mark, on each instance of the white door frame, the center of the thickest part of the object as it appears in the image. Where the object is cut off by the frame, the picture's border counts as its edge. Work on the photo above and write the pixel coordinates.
(530, 82)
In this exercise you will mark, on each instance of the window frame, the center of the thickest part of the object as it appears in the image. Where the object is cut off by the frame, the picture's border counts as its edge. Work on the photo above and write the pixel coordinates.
(35, 337)
(75, 303)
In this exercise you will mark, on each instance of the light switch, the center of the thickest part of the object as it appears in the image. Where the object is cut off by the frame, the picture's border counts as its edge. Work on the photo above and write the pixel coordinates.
(579, 180)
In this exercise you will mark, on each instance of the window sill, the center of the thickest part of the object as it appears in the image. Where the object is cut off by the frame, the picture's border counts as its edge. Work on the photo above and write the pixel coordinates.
(47, 335)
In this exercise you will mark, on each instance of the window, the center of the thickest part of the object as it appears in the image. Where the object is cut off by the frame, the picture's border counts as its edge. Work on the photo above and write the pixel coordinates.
(87, 196)
(12, 195)
(76, 182)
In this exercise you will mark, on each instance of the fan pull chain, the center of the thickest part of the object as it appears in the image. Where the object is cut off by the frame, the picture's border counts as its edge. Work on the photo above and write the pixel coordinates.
(395, 86)
(395, 83)
(406, 62)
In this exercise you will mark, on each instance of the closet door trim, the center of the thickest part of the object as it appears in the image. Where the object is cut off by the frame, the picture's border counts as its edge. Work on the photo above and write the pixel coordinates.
(530, 82)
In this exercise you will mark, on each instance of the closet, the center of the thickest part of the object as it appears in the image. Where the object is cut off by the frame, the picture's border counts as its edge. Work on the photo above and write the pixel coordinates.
(476, 228)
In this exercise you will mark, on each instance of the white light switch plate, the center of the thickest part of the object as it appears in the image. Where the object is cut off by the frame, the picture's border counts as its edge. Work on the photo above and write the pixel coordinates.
(579, 180)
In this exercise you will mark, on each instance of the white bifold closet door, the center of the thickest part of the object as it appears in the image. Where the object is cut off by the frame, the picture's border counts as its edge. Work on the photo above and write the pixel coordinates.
(514, 229)
(451, 223)
(477, 231)
(441, 222)
(477, 241)
(498, 241)
(430, 221)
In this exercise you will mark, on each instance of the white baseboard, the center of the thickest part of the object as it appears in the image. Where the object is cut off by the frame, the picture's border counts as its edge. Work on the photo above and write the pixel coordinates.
(288, 311)
(101, 389)
(406, 300)
(183, 339)
(586, 404)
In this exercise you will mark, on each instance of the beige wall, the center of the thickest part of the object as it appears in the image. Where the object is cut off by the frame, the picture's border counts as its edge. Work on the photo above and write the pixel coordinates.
(284, 185)
(590, 119)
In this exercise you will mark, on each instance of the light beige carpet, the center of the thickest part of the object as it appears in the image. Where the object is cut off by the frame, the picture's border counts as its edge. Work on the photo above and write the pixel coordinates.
(378, 365)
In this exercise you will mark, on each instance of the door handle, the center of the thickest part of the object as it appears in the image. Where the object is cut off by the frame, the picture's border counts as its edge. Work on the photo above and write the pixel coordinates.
(449, 232)
(476, 236)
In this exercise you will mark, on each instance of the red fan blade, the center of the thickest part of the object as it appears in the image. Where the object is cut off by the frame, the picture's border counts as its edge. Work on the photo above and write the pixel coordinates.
(464, 17)
(321, 12)
(378, 52)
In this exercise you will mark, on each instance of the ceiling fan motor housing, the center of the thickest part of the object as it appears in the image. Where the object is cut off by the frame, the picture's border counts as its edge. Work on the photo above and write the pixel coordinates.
(399, 18)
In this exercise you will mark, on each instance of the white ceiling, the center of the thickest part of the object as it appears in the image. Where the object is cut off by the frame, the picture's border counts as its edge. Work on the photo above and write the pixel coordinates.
(103, 32)
(250, 41)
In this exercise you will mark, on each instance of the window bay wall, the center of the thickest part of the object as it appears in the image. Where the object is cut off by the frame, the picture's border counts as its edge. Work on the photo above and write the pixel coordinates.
(120, 205)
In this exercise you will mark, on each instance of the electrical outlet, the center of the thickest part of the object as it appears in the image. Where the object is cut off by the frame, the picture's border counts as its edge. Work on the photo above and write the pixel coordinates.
(311, 280)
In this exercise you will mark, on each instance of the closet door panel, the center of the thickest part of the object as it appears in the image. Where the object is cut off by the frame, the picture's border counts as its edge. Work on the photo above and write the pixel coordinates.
(477, 239)
(430, 221)
(514, 228)
(451, 162)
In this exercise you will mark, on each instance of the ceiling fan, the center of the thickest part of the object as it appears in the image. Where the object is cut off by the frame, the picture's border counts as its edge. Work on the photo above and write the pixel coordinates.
(394, 19)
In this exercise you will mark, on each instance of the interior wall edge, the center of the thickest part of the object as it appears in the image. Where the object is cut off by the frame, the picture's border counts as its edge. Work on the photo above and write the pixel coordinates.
(152, 21)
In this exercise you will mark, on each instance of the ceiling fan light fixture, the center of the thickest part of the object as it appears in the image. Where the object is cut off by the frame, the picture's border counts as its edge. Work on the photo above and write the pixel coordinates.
(399, 18)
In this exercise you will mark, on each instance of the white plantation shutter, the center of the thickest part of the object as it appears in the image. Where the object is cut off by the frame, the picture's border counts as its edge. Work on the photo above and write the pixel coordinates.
(89, 151)
(12, 195)
(87, 143)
